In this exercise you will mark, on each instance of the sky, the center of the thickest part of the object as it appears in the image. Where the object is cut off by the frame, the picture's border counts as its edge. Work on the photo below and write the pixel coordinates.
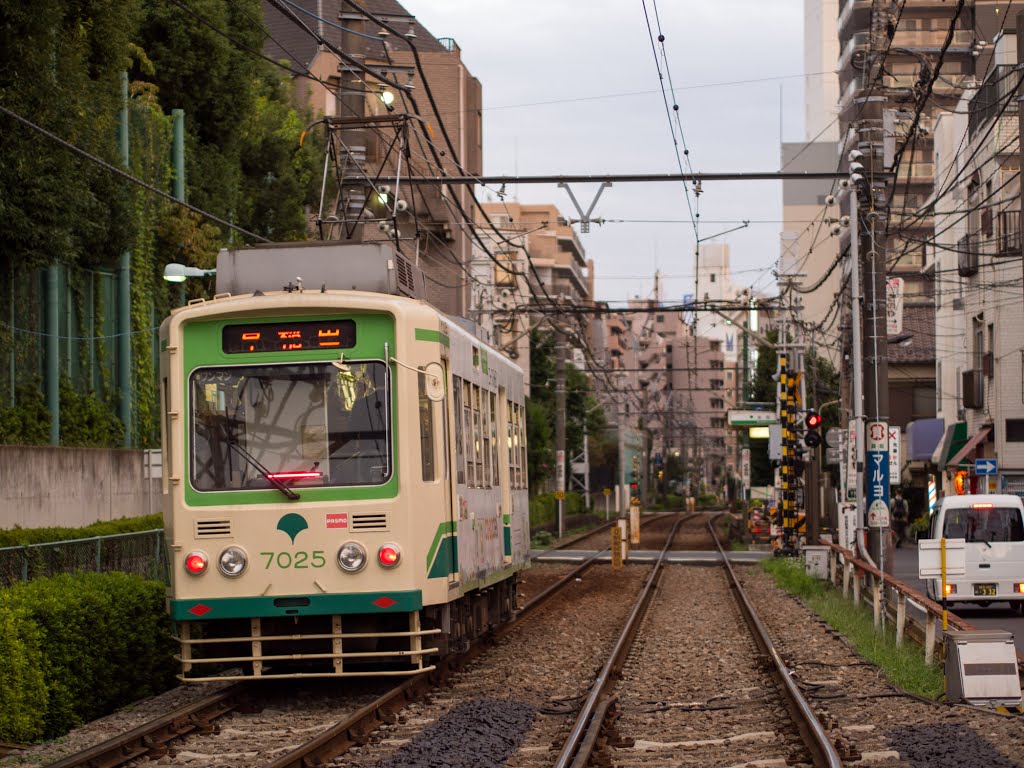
(573, 88)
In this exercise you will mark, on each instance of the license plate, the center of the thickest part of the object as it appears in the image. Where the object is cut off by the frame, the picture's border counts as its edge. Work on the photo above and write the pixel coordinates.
(985, 590)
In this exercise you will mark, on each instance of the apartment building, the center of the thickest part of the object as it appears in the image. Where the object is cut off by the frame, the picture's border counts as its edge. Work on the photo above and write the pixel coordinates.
(376, 122)
(976, 265)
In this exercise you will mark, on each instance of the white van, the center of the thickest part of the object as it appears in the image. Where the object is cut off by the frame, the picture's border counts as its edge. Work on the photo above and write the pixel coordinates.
(993, 527)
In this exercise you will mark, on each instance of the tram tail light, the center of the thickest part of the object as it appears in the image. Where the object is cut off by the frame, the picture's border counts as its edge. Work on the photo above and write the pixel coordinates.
(389, 555)
(196, 562)
(1018, 588)
(951, 589)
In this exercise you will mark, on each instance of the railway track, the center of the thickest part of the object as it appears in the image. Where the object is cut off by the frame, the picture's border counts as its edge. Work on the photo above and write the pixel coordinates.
(654, 726)
(156, 737)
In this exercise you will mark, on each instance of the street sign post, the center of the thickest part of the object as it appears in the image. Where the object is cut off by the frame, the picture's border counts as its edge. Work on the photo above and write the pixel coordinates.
(986, 466)
(895, 458)
(877, 468)
(739, 418)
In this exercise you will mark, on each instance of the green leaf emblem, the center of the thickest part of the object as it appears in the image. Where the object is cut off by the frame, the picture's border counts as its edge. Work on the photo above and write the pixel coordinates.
(292, 524)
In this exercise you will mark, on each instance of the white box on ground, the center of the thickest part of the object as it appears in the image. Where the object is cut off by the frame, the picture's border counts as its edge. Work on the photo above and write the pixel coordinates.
(929, 558)
(815, 560)
(981, 668)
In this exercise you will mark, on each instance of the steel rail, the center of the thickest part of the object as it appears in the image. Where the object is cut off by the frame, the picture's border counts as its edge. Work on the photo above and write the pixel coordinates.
(814, 735)
(582, 739)
(153, 736)
(356, 728)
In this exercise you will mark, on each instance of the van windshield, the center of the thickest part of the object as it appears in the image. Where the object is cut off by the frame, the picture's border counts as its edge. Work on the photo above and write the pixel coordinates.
(984, 524)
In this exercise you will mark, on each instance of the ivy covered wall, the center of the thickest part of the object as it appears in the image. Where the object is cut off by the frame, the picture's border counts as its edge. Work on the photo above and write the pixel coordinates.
(61, 64)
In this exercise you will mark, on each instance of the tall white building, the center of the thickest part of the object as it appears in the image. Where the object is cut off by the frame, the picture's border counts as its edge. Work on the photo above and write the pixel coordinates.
(821, 84)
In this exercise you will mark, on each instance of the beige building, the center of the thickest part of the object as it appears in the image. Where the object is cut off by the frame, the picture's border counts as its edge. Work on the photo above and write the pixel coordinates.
(979, 324)
(507, 296)
(433, 224)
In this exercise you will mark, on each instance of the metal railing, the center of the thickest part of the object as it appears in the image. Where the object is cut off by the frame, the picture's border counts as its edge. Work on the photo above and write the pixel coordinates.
(888, 598)
(141, 553)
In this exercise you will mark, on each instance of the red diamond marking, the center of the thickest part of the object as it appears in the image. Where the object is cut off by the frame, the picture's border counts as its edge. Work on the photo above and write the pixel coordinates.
(384, 602)
(200, 609)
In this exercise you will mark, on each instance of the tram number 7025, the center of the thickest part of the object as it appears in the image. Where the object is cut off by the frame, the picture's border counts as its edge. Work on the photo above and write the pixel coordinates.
(294, 559)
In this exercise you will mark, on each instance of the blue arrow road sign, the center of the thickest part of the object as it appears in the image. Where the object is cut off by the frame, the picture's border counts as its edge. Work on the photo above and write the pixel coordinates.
(985, 466)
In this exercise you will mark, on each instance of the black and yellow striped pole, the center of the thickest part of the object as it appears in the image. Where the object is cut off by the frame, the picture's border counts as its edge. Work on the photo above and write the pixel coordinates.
(787, 417)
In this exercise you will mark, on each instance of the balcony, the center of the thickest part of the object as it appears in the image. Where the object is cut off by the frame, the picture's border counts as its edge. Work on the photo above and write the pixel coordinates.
(1009, 233)
(996, 92)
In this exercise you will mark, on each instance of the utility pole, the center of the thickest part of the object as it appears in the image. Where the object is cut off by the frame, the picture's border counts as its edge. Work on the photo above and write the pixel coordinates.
(124, 291)
(560, 428)
(875, 347)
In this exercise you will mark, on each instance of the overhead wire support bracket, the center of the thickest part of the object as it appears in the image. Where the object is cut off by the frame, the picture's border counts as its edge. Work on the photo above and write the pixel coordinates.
(584, 217)
(497, 181)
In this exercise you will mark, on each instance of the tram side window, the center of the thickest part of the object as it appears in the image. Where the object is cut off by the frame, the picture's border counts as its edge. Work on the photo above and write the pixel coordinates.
(460, 454)
(508, 444)
(426, 431)
(478, 434)
(467, 427)
(522, 447)
(494, 438)
(515, 447)
(485, 435)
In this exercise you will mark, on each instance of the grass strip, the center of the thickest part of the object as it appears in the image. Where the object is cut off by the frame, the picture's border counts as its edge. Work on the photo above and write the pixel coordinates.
(904, 667)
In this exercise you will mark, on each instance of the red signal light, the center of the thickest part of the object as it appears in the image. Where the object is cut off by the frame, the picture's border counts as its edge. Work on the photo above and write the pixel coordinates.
(195, 563)
(388, 555)
(813, 420)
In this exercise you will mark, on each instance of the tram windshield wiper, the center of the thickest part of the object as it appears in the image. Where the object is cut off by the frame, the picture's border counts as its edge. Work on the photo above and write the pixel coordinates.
(263, 471)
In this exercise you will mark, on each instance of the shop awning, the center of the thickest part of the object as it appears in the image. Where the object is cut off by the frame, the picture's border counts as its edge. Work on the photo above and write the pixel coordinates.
(968, 447)
(952, 441)
(923, 436)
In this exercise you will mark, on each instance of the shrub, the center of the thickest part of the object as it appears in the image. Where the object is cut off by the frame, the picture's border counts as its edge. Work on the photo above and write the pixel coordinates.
(23, 694)
(544, 509)
(18, 537)
(97, 641)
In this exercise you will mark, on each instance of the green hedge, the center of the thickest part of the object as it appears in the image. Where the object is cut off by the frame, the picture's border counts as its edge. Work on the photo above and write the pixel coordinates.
(75, 647)
(18, 537)
(544, 509)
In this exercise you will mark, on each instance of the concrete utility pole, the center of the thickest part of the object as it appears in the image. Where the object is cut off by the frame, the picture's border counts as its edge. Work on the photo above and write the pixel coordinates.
(124, 291)
(875, 349)
(560, 427)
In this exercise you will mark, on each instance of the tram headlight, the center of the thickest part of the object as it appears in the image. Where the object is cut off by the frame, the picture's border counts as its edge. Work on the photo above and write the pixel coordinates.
(352, 557)
(233, 561)
(196, 562)
(389, 555)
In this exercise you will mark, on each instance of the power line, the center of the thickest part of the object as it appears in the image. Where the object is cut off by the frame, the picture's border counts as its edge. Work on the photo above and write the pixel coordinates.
(127, 176)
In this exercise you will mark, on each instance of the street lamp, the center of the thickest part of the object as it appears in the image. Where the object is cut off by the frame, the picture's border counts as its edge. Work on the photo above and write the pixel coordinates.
(178, 273)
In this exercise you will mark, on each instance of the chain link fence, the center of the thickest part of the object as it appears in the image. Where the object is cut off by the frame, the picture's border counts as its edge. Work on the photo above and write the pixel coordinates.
(140, 553)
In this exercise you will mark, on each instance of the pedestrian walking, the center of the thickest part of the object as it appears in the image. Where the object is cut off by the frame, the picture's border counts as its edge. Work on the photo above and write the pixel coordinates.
(898, 507)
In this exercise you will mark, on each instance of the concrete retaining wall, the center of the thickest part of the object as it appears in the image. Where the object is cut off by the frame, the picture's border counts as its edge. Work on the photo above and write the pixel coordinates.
(43, 486)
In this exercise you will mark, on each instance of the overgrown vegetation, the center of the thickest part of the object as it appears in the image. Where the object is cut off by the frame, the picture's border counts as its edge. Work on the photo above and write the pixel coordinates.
(580, 408)
(77, 647)
(61, 65)
(904, 666)
(19, 537)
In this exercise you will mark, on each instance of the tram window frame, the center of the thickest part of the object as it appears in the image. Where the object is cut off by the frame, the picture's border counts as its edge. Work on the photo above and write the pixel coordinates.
(467, 428)
(523, 479)
(508, 444)
(426, 420)
(460, 451)
(481, 481)
(495, 471)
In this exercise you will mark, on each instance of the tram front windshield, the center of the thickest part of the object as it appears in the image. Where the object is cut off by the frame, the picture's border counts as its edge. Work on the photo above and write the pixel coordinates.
(290, 426)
